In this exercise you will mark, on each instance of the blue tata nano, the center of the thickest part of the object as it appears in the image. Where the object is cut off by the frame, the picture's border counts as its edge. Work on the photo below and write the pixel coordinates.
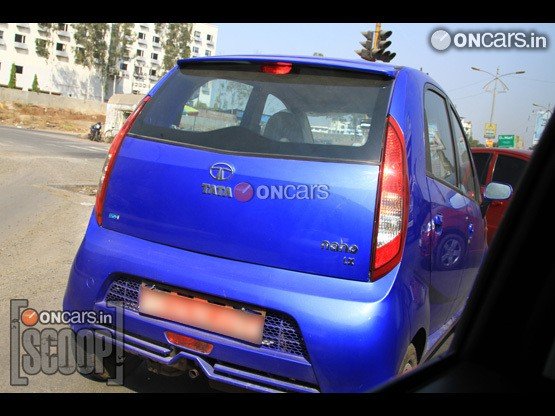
(284, 223)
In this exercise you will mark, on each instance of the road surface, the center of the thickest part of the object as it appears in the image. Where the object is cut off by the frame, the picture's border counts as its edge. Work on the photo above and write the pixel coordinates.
(45, 203)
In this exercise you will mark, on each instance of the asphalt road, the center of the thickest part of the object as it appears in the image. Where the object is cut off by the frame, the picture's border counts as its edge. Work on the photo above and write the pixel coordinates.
(46, 181)
(45, 203)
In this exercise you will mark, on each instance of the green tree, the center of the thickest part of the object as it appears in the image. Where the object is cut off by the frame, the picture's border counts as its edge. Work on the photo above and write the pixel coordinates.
(121, 39)
(42, 45)
(474, 143)
(159, 28)
(35, 86)
(92, 49)
(175, 40)
(13, 78)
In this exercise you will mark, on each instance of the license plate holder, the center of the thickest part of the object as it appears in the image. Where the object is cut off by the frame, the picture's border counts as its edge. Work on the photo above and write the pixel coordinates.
(198, 312)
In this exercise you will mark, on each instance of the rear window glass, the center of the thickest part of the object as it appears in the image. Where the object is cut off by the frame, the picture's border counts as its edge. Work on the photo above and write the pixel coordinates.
(509, 170)
(308, 113)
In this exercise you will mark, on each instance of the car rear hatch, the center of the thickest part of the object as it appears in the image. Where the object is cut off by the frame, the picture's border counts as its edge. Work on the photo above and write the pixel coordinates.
(270, 163)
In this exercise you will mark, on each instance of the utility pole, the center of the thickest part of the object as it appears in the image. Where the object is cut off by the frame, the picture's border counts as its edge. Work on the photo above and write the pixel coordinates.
(494, 93)
(375, 39)
(495, 79)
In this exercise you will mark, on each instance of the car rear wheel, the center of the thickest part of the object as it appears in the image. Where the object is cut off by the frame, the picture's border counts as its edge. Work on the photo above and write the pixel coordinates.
(410, 360)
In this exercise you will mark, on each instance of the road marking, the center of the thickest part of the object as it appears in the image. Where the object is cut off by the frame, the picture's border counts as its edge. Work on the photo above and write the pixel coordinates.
(86, 148)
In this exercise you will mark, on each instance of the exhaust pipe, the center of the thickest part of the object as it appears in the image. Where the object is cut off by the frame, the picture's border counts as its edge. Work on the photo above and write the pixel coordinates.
(193, 373)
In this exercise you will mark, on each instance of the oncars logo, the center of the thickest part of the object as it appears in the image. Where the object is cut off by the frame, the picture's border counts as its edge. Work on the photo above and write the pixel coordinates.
(221, 171)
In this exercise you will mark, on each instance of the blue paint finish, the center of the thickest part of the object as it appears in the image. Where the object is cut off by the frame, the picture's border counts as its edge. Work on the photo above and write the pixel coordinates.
(283, 233)
(267, 253)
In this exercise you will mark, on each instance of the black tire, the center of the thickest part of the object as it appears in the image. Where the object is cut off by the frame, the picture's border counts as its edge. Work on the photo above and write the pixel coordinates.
(410, 360)
(130, 364)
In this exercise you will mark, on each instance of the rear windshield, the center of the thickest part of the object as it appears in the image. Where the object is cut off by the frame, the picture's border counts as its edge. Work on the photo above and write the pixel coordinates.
(307, 113)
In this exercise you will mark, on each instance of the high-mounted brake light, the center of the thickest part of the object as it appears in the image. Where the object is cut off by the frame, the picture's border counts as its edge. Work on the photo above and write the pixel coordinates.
(111, 158)
(390, 225)
(278, 68)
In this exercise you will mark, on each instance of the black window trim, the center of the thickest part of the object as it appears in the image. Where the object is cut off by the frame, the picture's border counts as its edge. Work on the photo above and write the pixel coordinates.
(489, 156)
(429, 173)
(477, 188)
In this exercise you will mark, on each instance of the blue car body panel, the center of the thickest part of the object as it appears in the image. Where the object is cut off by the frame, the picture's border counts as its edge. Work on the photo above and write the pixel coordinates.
(283, 233)
(355, 331)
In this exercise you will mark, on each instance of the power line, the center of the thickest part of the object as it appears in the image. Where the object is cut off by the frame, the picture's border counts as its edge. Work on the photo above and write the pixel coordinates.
(465, 86)
(470, 96)
(538, 80)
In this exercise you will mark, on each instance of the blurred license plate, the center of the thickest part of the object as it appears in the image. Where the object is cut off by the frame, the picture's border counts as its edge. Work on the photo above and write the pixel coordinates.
(199, 313)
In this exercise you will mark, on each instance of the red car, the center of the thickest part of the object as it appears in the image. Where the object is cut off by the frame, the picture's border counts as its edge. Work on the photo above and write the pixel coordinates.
(499, 165)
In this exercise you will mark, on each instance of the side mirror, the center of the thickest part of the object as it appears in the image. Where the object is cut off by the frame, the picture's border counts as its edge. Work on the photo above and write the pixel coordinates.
(496, 191)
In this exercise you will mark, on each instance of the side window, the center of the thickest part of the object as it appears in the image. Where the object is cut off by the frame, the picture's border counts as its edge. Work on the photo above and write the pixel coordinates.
(440, 144)
(509, 170)
(272, 106)
(217, 104)
(466, 174)
(481, 161)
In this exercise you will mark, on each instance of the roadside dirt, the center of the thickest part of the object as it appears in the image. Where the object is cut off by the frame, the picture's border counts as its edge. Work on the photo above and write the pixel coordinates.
(41, 118)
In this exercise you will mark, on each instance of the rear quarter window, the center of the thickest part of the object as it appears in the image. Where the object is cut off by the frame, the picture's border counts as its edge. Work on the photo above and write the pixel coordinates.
(308, 113)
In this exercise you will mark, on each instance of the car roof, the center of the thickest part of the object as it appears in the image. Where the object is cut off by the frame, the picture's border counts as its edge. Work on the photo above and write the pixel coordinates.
(337, 63)
(522, 152)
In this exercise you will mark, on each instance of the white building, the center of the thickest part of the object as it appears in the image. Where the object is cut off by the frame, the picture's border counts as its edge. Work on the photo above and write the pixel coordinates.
(467, 126)
(60, 75)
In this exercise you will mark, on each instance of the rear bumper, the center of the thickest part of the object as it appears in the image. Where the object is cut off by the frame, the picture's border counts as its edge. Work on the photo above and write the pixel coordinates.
(355, 332)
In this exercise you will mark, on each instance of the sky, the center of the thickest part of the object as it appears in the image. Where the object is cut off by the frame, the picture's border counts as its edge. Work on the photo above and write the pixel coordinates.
(411, 42)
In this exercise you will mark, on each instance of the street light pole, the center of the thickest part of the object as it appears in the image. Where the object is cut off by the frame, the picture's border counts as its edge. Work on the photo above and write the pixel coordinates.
(494, 93)
(547, 108)
(495, 79)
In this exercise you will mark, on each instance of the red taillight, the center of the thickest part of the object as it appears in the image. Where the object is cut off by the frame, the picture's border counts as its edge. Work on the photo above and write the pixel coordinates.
(393, 203)
(190, 343)
(111, 158)
(278, 68)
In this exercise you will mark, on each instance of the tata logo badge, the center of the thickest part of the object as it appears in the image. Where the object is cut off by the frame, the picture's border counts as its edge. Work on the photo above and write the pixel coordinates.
(222, 171)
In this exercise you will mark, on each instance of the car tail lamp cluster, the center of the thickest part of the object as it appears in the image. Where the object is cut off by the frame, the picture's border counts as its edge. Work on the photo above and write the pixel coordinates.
(111, 158)
(392, 207)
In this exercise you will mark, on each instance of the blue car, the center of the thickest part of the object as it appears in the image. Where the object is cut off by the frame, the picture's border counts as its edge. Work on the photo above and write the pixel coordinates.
(284, 223)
